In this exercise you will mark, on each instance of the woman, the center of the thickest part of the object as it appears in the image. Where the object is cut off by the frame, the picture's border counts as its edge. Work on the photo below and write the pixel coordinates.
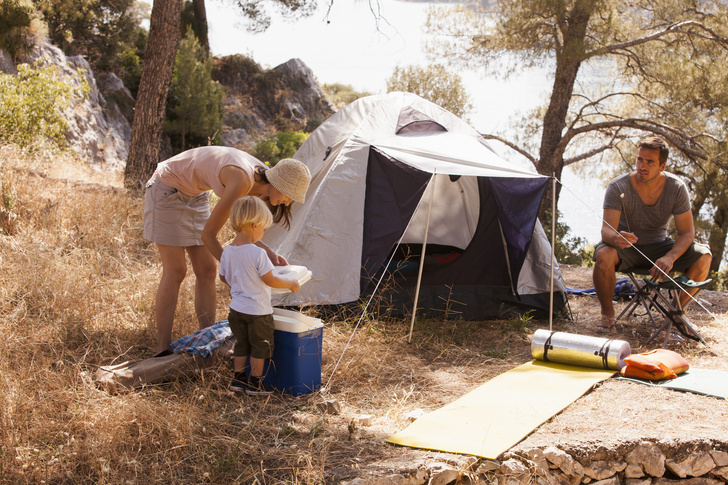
(177, 218)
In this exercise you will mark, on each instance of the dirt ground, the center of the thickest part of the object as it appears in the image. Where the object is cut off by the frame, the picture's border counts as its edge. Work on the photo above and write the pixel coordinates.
(619, 412)
(604, 422)
(616, 414)
(88, 277)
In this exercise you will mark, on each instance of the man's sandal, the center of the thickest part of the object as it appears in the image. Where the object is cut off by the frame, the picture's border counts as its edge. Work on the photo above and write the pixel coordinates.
(607, 326)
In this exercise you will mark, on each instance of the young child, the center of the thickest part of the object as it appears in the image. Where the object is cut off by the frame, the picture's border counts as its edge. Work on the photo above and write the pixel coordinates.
(248, 271)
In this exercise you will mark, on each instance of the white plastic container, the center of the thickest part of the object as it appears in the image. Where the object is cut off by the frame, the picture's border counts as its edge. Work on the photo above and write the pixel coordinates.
(290, 321)
(291, 272)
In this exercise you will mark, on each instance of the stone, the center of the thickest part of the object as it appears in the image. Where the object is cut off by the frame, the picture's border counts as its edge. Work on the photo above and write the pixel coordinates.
(720, 472)
(331, 406)
(6, 63)
(415, 414)
(557, 477)
(394, 479)
(608, 481)
(688, 481)
(633, 470)
(488, 466)
(694, 465)
(719, 457)
(538, 459)
(364, 420)
(97, 129)
(513, 473)
(638, 481)
(601, 469)
(649, 457)
(443, 474)
(564, 461)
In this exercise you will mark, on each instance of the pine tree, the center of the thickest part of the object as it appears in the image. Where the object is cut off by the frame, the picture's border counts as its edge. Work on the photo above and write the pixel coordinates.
(195, 103)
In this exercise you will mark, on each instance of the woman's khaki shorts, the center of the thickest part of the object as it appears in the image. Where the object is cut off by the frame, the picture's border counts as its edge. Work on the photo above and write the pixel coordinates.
(172, 218)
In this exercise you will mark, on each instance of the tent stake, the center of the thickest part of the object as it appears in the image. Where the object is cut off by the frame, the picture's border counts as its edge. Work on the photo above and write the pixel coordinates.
(422, 260)
(553, 250)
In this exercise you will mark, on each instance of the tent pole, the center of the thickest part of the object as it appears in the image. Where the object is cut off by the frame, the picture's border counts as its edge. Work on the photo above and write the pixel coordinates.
(553, 250)
(422, 260)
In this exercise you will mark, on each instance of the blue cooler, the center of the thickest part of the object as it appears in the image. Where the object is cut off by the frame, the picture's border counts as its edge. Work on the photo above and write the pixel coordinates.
(296, 363)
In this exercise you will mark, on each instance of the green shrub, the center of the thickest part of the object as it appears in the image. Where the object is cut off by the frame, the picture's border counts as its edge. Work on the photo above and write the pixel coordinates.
(32, 102)
(568, 249)
(281, 145)
(15, 20)
(435, 83)
(131, 70)
(342, 94)
(194, 105)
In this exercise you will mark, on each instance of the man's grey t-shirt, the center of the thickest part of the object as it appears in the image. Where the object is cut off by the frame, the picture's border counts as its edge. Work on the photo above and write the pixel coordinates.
(648, 223)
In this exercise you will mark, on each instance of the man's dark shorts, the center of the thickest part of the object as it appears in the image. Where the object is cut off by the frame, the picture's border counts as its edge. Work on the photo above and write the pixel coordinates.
(631, 258)
(253, 334)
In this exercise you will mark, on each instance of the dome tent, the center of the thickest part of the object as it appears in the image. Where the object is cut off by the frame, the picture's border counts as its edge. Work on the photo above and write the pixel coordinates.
(374, 166)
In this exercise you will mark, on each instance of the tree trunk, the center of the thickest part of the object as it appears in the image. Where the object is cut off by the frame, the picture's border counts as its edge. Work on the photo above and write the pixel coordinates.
(718, 232)
(201, 20)
(568, 62)
(146, 133)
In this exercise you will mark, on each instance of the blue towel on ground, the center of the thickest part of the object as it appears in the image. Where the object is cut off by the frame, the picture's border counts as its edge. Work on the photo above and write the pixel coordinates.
(204, 341)
(623, 290)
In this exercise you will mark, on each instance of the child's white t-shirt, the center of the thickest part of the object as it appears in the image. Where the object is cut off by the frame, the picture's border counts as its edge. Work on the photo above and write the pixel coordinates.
(242, 267)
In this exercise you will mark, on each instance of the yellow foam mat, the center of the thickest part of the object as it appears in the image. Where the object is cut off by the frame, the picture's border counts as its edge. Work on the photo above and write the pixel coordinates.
(500, 413)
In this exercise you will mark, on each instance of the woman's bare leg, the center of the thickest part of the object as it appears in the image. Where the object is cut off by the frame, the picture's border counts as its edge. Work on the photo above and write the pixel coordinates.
(204, 265)
(174, 269)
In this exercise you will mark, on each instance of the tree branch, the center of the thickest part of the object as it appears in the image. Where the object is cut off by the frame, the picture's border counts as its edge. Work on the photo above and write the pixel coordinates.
(607, 146)
(678, 28)
(512, 146)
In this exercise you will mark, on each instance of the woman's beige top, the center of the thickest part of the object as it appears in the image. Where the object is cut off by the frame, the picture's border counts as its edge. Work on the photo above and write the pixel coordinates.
(195, 171)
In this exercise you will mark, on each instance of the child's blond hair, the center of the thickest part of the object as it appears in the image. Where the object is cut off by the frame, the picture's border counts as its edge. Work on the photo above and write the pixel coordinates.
(250, 210)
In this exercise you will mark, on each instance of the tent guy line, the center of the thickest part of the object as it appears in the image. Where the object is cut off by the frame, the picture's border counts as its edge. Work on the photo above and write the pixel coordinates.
(325, 388)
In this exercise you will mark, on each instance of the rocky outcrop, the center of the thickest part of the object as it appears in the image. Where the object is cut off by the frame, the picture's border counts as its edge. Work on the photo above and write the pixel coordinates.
(260, 102)
(98, 129)
(643, 463)
(6, 63)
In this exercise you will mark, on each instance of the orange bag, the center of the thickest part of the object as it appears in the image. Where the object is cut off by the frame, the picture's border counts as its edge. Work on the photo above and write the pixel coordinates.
(654, 365)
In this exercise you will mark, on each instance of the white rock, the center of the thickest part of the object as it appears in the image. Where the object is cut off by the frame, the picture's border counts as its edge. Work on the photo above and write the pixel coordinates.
(415, 414)
(364, 420)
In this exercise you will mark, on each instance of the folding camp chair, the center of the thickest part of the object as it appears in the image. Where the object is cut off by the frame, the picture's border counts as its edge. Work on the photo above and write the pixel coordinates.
(650, 295)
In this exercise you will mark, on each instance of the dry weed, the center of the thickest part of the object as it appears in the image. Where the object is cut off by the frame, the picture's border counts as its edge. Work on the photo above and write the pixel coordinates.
(77, 290)
(78, 285)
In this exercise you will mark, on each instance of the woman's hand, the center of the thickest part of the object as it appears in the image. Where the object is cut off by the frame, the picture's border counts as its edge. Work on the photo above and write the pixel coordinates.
(276, 258)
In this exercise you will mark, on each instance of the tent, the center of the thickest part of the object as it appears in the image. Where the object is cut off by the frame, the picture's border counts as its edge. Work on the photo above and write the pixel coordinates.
(374, 166)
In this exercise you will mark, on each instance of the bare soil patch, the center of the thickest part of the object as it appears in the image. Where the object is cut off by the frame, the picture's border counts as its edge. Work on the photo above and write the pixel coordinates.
(604, 422)
(619, 412)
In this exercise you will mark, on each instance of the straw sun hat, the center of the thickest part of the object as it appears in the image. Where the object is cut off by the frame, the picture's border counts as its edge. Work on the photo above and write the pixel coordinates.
(291, 178)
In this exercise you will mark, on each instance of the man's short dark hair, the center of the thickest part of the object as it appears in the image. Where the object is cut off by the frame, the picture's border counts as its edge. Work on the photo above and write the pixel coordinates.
(654, 142)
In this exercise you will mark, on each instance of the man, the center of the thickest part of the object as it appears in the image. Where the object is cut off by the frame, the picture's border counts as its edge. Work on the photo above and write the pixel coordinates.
(639, 206)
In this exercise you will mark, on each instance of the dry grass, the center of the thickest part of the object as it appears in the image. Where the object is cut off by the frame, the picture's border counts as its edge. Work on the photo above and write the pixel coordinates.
(77, 290)
(77, 287)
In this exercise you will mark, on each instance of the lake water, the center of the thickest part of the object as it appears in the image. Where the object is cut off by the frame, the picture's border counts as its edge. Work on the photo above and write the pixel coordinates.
(350, 46)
